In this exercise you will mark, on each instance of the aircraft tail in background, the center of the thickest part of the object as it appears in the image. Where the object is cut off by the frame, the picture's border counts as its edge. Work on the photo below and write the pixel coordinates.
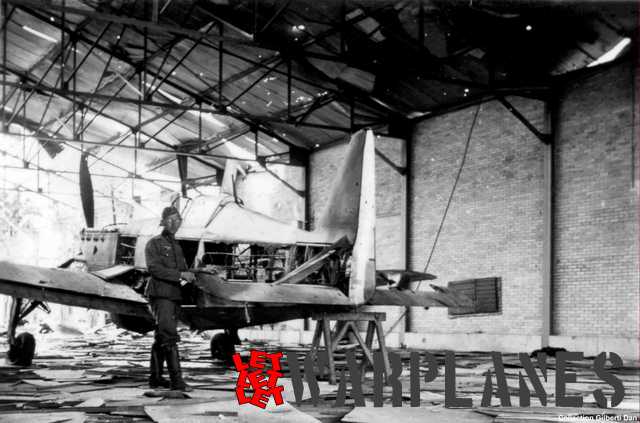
(351, 212)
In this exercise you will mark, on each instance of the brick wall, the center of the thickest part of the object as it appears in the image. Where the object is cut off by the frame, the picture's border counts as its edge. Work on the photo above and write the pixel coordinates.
(596, 289)
(494, 225)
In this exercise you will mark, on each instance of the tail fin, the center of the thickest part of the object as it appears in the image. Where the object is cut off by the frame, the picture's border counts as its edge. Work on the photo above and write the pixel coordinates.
(340, 215)
(351, 212)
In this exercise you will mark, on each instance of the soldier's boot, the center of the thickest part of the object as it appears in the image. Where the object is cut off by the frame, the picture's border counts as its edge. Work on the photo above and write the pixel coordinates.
(173, 365)
(156, 365)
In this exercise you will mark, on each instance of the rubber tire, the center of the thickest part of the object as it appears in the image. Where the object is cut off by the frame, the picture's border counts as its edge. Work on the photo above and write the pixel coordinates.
(21, 352)
(222, 347)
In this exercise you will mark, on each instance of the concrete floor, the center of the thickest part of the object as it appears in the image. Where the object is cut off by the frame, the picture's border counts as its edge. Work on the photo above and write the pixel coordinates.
(101, 377)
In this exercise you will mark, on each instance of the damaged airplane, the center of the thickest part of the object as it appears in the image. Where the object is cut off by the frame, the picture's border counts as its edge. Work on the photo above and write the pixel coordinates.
(251, 269)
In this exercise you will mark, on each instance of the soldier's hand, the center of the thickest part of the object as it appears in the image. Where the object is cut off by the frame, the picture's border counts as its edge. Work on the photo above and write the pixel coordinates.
(187, 276)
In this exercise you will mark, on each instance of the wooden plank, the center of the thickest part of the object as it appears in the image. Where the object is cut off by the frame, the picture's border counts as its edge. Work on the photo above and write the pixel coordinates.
(350, 316)
(413, 415)
(315, 344)
(327, 343)
(45, 417)
(367, 352)
(383, 348)
(341, 331)
(368, 341)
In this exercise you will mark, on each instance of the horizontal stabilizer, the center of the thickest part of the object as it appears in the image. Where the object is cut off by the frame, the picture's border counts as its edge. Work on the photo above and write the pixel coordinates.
(251, 292)
(461, 299)
(440, 298)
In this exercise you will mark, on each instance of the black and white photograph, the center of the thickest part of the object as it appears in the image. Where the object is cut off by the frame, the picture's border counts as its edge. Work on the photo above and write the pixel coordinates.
(298, 211)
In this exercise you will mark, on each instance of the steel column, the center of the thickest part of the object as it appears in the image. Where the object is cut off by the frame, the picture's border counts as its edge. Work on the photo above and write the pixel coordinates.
(548, 206)
(63, 26)
(5, 21)
(404, 226)
(288, 88)
(220, 68)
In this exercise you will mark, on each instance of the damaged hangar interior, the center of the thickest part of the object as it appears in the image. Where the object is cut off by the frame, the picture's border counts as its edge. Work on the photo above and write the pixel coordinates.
(366, 187)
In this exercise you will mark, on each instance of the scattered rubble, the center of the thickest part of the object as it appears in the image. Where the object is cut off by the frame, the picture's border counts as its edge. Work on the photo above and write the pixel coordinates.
(102, 377)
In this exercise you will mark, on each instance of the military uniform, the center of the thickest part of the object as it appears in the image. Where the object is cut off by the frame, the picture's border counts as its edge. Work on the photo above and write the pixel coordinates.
(165, 261)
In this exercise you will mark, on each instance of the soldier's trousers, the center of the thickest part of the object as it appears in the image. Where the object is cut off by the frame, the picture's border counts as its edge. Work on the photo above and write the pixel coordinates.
(165, 314)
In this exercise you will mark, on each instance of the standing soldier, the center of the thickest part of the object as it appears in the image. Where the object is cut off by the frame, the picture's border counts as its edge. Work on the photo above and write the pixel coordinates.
(168, 269)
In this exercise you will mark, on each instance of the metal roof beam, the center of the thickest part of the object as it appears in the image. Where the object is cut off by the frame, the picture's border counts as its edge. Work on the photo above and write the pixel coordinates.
(196, 43)
(93, 174)
(44, 138)
(194, 34)
(173, 106)
(195, 96)
(68, 97)
(86, 56)
(58, 140)
(544, 137)
(158, 27)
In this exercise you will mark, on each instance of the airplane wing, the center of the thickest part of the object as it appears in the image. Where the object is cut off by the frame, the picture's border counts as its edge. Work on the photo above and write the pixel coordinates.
(269, 293)
(97, 291)
(70, 288)
(234, 223)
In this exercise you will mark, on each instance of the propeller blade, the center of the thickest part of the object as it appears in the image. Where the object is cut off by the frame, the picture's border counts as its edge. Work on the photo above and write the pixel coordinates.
(86, 191)
(183, 172)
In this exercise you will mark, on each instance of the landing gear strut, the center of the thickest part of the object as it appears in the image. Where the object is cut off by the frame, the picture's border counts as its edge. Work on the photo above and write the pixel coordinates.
(223, 345)
(21, 347)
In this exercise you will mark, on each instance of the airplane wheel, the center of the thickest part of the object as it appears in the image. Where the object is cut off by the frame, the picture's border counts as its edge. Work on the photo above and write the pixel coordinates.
(22, 350)
(222, 347)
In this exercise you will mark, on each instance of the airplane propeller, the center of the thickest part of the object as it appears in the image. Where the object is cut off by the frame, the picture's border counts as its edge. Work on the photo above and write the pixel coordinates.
(86, 191)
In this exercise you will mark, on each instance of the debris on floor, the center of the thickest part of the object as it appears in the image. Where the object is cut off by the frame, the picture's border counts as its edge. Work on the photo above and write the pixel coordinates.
(102, 377)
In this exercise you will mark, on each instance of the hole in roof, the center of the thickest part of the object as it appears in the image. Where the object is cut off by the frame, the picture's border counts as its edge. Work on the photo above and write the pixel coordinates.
(612, 53)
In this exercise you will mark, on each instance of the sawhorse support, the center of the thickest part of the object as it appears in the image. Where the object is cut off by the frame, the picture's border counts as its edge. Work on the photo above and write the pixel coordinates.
(345, 323)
